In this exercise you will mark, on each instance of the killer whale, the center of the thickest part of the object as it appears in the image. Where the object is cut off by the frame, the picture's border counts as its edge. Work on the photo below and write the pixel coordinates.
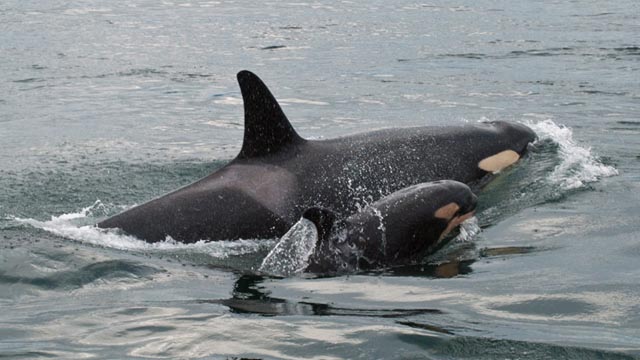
(278, 175)
(399, 229)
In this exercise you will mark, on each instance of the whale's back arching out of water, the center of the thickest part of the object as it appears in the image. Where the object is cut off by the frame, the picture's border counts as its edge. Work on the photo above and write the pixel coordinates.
(278, 175)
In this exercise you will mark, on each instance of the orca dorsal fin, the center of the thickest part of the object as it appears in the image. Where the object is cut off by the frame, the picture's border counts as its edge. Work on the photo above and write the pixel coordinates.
(266, 128)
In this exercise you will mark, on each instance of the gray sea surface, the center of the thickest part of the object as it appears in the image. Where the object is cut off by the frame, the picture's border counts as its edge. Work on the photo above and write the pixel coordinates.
(104, 105)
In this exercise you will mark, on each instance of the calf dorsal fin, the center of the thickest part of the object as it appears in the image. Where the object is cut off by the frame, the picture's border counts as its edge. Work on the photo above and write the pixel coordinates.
(323, 219)
(266, 128)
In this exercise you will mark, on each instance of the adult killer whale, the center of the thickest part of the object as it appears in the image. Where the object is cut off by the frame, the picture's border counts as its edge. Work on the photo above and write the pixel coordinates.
(278, 175)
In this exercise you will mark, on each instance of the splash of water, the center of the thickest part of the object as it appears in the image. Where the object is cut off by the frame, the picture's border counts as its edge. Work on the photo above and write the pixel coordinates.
(578, 166)
(291, 254)
(469, 229)
(381, 227)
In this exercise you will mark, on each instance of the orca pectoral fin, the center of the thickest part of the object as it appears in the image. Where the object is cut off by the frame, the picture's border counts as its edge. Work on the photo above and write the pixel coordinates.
(266, 128)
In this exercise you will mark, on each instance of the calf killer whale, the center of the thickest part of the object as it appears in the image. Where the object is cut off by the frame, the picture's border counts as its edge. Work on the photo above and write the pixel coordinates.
(399, 229)
(278, 175)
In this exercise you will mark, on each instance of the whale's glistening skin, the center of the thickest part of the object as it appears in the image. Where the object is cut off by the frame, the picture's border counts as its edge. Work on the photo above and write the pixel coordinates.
(278, 175)
(398, 229)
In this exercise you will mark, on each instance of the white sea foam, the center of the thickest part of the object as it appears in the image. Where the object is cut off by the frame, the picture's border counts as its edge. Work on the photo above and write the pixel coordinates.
(578, 166)
(469, 229)
(69, 226)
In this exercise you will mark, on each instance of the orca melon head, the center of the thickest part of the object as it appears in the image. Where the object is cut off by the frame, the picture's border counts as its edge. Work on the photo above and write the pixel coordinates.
(418, 218)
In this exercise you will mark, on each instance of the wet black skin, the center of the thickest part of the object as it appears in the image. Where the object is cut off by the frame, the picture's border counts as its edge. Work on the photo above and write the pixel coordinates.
(399, 229)
(278, 175)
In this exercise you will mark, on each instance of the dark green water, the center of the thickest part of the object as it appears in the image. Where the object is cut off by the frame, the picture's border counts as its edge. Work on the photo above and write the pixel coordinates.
(103, 106)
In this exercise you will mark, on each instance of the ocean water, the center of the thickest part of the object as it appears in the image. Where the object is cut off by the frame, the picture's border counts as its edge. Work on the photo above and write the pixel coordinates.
(104, 105)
